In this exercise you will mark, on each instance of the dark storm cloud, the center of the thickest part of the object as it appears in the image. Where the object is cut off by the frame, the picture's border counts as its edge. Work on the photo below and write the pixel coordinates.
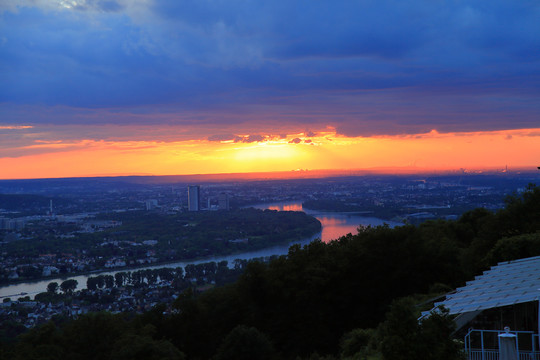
(363, 67)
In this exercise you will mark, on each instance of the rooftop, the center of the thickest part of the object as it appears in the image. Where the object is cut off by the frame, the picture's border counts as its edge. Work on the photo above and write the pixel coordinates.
(507, 283)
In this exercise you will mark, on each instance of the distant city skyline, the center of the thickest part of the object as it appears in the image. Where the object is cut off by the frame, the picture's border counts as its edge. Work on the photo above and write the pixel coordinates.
(154, 87)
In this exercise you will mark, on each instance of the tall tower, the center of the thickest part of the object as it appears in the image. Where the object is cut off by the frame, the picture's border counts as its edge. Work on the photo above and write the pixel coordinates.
(194, 198)
(223, 201)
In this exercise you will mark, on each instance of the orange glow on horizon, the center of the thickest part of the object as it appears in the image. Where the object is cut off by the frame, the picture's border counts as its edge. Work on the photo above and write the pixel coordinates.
(325, 150)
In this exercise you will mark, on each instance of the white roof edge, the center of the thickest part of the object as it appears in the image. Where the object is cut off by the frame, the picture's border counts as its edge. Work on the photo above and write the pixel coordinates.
(508, 283)
(518, 260)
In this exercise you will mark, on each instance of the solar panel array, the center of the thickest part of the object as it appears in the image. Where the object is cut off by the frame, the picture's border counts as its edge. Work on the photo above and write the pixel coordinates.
(508, 283)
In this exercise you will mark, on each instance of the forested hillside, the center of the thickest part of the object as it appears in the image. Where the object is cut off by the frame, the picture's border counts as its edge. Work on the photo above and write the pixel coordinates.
(338, 300)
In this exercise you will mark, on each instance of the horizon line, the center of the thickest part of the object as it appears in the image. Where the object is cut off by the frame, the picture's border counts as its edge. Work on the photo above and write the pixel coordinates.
(302, 173)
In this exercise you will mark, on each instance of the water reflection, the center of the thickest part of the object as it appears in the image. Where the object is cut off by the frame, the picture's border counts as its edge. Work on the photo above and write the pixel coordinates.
(331, 221)
(286, 207)
(334, 224)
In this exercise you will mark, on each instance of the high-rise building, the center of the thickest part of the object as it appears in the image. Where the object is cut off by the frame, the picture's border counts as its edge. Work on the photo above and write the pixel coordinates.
(223, 201)
(151, 204)
(194, 198)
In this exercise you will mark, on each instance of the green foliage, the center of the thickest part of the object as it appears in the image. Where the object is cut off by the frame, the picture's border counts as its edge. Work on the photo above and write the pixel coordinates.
(403, 337)
(245, 343)
(9, 330)
(519, 217)
(68, 286)
(95, 336)
(143, 347)
(399, 333)
(40, 343)
(436, 337)
(515, 247)
(48, 297)
(357, 343)
(520, 214)
(52, 287)
(189, 234)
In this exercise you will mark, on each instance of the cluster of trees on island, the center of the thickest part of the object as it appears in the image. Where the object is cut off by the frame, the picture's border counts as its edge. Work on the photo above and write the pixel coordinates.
(193, 234)
(352, 298)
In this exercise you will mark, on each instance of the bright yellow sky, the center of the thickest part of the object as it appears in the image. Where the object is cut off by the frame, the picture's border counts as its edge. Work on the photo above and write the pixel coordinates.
(325, 150)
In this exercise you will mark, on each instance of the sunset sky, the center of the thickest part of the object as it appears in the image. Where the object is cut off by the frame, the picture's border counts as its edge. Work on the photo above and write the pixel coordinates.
(163, 87)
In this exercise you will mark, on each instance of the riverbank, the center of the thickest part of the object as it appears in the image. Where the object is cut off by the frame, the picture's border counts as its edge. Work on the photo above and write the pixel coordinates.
(30, 289)
(141, 239)
(155, 264)
(333, 226)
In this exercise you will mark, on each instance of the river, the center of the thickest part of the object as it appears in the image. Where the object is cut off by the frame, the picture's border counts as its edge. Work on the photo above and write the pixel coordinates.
(334, 225)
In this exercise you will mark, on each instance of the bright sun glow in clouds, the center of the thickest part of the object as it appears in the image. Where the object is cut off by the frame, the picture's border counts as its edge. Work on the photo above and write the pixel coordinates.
(430, 151)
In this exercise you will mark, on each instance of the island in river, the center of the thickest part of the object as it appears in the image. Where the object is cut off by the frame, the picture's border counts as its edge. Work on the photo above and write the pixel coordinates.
(136, 238)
